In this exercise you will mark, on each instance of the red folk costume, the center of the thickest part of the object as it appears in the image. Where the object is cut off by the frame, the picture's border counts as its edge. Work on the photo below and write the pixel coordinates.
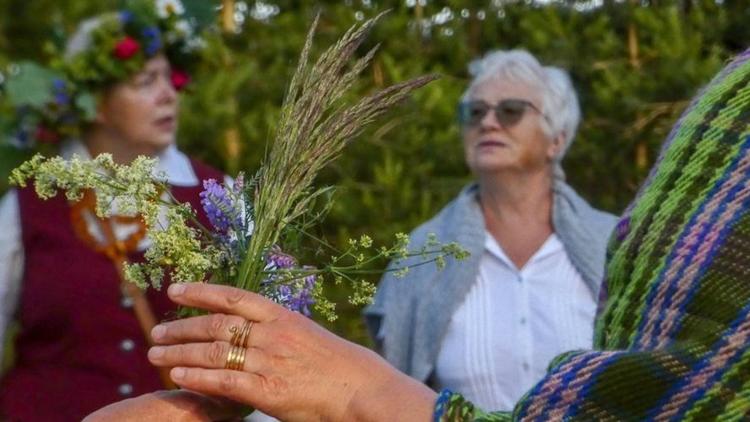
(80, 346)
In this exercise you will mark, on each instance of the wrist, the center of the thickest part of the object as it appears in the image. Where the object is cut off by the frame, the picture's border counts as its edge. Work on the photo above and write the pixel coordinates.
(388, 395)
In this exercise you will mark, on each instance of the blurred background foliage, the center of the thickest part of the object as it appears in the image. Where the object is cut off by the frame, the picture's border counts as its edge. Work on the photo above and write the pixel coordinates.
(635, 64)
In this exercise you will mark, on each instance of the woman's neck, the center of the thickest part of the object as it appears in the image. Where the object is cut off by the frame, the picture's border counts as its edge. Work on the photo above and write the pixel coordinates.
(518, 197)
(518, 212)
(100, 140)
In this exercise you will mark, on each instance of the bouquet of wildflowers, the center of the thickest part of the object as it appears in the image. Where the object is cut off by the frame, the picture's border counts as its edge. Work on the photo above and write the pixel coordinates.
(251, 217)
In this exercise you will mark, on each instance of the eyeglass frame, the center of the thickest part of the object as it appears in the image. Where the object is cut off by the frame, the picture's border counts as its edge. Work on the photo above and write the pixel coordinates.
(463, 108)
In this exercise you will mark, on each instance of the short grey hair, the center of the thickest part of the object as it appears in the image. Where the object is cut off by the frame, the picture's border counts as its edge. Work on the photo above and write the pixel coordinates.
(559, 98)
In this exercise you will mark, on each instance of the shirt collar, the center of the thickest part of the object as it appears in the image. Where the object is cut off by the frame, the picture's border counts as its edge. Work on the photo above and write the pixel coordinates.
(550, 246)
(171, 161)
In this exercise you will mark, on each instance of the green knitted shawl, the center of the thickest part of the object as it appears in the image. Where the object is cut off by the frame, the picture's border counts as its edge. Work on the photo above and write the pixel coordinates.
(673, 342)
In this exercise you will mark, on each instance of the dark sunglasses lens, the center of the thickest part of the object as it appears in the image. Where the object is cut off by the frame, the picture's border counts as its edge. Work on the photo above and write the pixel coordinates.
(510, 112)
(476, 111)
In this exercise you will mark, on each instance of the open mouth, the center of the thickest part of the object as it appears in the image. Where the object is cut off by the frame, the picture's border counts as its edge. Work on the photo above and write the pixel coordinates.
(167, 123)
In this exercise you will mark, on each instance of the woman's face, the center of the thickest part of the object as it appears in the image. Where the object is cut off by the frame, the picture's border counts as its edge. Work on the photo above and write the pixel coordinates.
(492, 146)
(142, 111)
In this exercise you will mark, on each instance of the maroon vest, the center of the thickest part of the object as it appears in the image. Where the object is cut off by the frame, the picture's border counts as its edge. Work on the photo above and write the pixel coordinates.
(80, 346)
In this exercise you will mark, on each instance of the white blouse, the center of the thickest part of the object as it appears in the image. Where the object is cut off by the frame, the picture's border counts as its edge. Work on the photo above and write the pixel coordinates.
(512, 323)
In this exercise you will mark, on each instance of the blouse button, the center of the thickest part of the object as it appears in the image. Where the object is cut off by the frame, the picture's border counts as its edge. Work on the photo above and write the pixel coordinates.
(125, 389)
(127, 345)
(126, 302)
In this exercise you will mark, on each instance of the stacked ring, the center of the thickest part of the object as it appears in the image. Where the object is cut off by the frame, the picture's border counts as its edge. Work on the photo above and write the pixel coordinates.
(240, 337)
(236, 358)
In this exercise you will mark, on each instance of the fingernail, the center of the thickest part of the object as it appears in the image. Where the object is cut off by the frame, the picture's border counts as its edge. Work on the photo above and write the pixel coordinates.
(156, 352)
(158, 332)
(178, 373)
(176, 289)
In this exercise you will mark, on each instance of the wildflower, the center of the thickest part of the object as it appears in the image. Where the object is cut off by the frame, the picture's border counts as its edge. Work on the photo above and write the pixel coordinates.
(126, 48)
(286, 285)
(219, 207)
(154, 40)
(365, 241)
(295, 295)
(184, 27)
(301, 299)
(22, 139)
(125, 16)
(179, 79)
(60, 91)
(193, 44)
(276, 259)
(166, 8)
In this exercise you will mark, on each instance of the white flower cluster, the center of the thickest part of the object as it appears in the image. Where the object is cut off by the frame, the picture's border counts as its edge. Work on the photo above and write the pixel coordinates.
(132, 190)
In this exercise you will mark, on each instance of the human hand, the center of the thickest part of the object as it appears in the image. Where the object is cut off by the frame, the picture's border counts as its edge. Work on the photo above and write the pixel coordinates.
(173, 405)
(293, 368)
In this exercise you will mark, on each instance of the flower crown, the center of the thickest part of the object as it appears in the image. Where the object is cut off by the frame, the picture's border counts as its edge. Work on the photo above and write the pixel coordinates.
(55, 103)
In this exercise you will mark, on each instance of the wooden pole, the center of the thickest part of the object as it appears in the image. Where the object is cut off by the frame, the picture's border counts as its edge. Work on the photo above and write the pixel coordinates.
(641, 149)
(228, 23)
(231, 138)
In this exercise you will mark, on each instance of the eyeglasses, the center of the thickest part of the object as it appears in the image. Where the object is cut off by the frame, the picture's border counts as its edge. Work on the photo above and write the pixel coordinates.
(508, 112)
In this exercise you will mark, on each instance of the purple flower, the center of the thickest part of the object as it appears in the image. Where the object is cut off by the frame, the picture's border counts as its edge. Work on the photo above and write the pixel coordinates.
(301, 299)
(221, 210)
(153, 40)
(126, 16)
(61, 92)
(22, 139)
(295, 294)
(277, 260)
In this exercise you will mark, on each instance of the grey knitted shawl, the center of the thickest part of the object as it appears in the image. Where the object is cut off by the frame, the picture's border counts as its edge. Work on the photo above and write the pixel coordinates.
(410, 315)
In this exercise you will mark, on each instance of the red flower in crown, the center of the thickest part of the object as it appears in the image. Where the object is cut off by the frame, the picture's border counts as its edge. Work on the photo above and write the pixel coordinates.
(126, 48)
(180, 78)
(46, 135)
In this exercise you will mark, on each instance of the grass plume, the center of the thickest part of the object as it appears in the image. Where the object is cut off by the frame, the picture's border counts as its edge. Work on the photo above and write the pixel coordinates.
(313, 129)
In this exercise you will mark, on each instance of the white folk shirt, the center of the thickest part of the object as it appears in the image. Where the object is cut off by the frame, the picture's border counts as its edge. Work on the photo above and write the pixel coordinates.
(171, 162)
(512, 323)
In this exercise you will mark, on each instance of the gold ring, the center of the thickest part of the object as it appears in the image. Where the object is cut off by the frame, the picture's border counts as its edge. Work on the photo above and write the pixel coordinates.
(241, 336)
(236, 358)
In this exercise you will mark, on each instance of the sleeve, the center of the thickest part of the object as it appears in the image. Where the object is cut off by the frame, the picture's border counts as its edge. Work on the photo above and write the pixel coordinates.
(620, 385)
(11, 262)
(453, 407)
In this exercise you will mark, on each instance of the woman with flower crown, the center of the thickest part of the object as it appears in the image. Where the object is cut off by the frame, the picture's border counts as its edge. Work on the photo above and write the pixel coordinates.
(81, 343)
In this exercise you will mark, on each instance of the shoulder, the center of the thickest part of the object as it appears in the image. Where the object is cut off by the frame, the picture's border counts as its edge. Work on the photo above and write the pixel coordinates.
(448, 225)
(9, 208)
(462, 209)
(570, 204)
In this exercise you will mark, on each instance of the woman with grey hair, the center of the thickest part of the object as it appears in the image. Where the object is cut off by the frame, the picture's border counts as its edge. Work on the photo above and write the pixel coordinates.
(490, 325)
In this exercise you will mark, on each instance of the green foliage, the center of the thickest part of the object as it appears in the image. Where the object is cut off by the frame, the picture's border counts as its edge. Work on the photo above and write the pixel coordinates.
(32, 86)
(635, 65)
